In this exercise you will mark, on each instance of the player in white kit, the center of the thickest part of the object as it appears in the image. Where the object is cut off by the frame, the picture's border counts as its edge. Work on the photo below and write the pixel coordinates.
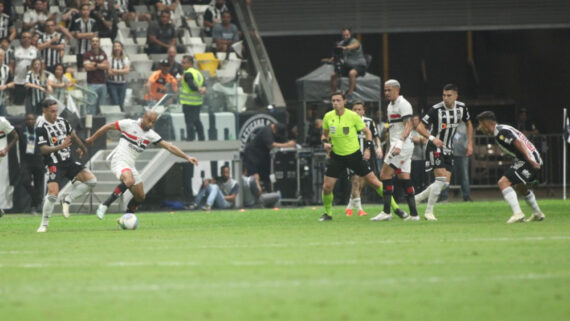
(136, 135)
(6, 129)
(398, 159)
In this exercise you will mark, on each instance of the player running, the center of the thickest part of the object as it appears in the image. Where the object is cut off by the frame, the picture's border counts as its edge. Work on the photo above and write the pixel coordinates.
(341, 126)
(55, 137)
(136, 135)
(444, 119)
(398, 160)
(522, 174)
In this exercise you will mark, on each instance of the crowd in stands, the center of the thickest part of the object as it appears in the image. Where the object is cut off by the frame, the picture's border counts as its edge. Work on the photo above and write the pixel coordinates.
(48, 46)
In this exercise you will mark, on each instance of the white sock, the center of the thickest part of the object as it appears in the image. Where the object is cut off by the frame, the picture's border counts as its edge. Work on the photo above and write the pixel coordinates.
(350, 203)
(531, 201)
(423, 194)
(80, 188)
(356, 203)
(434, 191)
(49, 203)
(511, 197)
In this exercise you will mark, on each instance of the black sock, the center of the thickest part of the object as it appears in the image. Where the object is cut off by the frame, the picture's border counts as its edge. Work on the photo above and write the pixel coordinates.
(409, 189)
(388, 189)
(132, 206)
(119, 190)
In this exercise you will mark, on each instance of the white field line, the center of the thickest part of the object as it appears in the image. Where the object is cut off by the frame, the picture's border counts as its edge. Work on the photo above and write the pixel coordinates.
(277, 284)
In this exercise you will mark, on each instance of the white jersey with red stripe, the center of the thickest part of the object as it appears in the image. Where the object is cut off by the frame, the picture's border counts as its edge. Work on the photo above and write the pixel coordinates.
(398, 111)
(134, 140)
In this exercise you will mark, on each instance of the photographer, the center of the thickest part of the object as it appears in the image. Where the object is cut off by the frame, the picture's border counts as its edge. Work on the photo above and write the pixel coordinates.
(348, 59)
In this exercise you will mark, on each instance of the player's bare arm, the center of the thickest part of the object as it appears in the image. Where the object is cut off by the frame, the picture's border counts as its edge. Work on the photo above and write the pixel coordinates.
(100, 132)
(14, 135)
(176, 151)
(469, 126)
(368, 138)
(519, 145)
(408, 126)
(424, 132)
(81, 149)
(325, 140)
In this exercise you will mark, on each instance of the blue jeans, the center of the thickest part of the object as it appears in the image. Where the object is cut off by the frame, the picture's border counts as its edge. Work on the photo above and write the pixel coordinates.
(214, 197)
(101, 90)
(117, 92)
(461, 169)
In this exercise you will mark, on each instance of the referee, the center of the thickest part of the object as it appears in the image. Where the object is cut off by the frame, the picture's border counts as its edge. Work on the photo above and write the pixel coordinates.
(341, 126)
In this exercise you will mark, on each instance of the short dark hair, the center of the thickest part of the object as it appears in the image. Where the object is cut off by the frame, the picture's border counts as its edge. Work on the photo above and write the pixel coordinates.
(189, 58)
(165, 11)
(358, 102)
(451, 87)
(48, 102)
(83, 5)
(225, 166)
(487, 115)
(338, 92)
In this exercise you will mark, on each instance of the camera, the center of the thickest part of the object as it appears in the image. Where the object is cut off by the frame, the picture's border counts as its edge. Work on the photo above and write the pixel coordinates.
(338, 60)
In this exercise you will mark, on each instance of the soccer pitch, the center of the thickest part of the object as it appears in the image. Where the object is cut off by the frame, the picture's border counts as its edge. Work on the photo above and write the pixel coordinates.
(284, 265)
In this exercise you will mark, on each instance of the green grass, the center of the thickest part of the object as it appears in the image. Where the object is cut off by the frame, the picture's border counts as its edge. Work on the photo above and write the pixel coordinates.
(284, 265)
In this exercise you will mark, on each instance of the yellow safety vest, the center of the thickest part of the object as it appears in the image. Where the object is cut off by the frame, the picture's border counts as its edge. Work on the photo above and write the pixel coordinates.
(187, 95)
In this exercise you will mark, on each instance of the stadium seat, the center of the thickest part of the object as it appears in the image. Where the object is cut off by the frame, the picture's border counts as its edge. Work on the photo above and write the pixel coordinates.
(15, 110)
(69, 60)
(207, 61)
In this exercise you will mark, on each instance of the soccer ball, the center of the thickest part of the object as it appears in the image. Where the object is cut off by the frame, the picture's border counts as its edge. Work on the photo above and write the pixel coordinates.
(128, 221)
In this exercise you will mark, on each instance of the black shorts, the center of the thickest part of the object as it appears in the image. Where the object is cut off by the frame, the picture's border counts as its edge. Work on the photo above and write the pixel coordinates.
(522, 173)
(435, 158)
(361, 70)
(336, 164)
(68, 170)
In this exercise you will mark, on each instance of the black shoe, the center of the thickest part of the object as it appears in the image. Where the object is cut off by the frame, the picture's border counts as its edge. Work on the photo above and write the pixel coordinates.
(401, 214)
(467, 199)
(325, 217)
(2, 213)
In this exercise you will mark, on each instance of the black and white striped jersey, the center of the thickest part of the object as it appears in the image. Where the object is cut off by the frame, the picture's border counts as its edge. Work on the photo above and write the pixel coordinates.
(53, 134)
(5, 25)
(444, 122)
(369, 122)
(506, 136)
(37, 79)
(51, 57)
(118, 63)
(5, 77)
(9, 56)
(79, 25)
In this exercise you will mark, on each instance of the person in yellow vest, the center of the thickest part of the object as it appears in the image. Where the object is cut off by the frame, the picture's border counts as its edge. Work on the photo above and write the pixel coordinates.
(191, 92)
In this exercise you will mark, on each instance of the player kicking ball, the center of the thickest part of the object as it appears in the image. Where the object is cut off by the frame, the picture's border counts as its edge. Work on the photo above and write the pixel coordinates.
(136, 135)
(522, 173)
(341, 126)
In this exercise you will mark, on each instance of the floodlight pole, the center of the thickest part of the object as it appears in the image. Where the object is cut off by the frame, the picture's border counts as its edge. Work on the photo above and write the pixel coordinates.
(564, 164)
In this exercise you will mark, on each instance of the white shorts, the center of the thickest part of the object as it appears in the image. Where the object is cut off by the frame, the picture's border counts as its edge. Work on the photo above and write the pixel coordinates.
(119, 166)
(402, 161)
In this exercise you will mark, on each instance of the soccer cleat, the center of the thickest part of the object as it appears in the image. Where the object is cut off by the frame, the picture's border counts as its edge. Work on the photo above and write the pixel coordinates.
(42, 229)
(2, 212)
(101, 210)
(207, 208)
(65, 208)
(430, 217)
(348, 212)
(518, 217)
(325, 217)
(401, 214)
(382, 217)
(536, 217)
(412, 218)
(362, 213)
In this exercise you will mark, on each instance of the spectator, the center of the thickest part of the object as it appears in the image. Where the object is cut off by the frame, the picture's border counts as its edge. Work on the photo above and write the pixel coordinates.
(84, 29)
(34, 18)
(175, 68)
(191, 91)
(256, 153)
(23, 57)
(118, 71)
(461, 161)
(38, 87)
(7, 29)
(221, 194)
(5, 84)
(70, 74)
(314, 133)
(31, 162)
(418, 157)
(52, 45)
(225, 34)
(160, 83)
(9, 60)
(96, 64)
(59, 84)
(213, 15)
(102, 14)
(126, 11)
(166, 5)
(348, 59)
(162, 34)
(525, 125)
